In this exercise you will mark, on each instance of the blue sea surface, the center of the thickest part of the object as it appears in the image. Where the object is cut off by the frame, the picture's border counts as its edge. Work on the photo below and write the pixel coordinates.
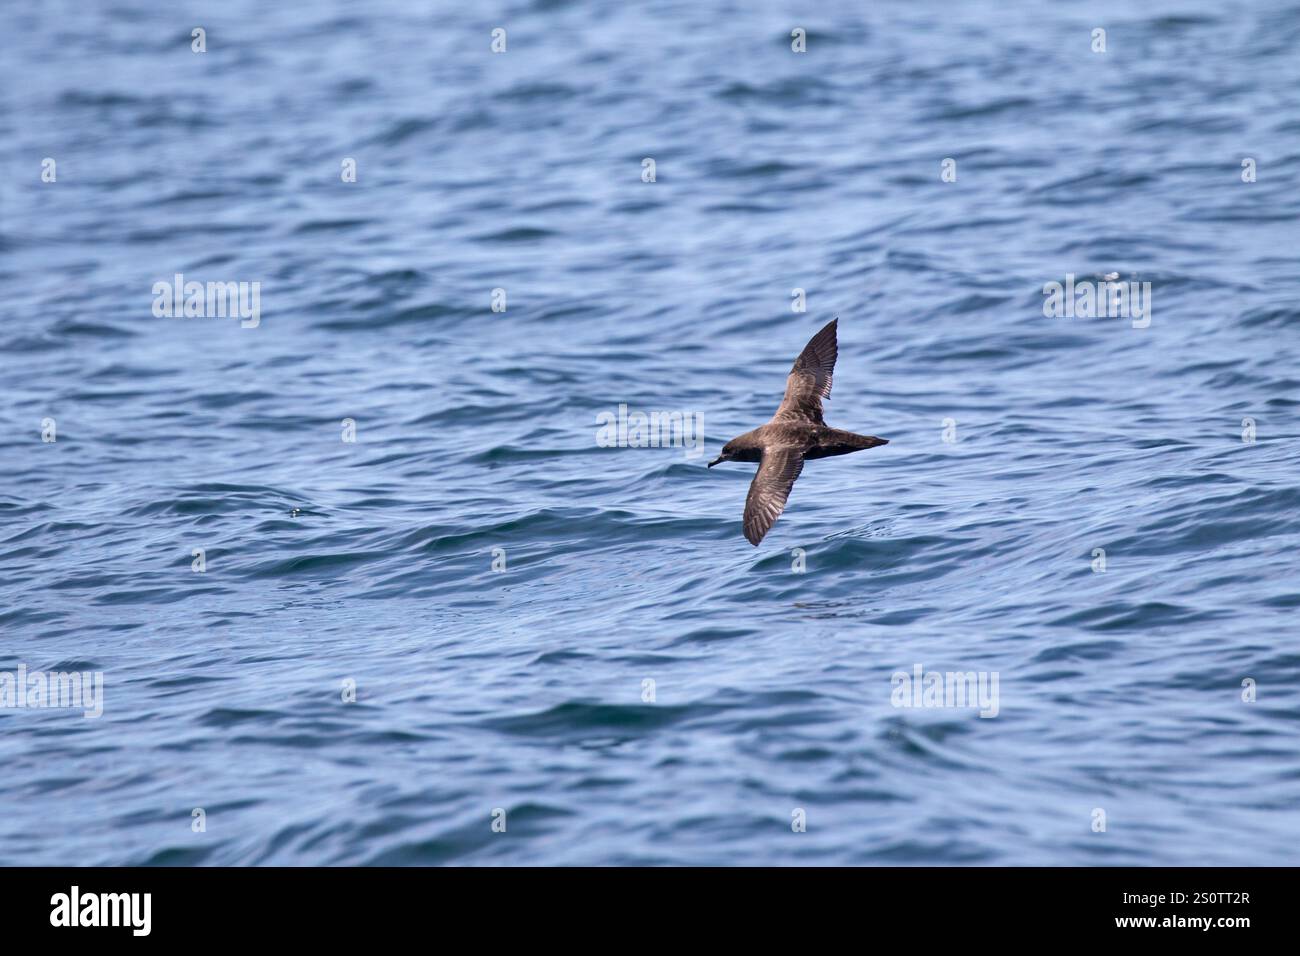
(574, 641)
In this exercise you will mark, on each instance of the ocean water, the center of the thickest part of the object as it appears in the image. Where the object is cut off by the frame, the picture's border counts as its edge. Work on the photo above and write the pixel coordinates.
(1101, 512)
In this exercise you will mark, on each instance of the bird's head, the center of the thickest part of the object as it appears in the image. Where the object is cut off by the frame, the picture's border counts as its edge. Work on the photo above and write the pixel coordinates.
(727, 454)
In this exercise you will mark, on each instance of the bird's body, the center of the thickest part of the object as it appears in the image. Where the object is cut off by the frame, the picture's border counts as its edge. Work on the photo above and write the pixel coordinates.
(796, 433)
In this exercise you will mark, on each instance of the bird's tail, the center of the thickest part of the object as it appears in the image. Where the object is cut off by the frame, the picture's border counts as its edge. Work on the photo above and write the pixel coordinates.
(857, 442)
(843, 443)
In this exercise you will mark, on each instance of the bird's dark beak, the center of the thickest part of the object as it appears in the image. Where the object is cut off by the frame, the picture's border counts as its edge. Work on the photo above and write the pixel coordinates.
(716, 461)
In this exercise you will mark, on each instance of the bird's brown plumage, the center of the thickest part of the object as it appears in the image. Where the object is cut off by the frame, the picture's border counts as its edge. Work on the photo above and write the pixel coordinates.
(796, 433)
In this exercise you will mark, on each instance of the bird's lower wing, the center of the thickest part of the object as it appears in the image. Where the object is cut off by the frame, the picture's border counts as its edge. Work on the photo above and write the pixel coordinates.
(770, 489)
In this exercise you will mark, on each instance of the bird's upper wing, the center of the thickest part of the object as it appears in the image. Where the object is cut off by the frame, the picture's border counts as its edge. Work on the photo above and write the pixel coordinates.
(810, 379)
(769, 490)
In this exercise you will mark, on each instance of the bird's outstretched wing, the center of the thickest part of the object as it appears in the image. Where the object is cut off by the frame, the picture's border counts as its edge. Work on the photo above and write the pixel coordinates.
(769, 490)
(810, 379)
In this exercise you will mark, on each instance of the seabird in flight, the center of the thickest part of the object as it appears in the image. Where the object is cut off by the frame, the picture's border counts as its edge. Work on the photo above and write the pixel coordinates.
(795, 434)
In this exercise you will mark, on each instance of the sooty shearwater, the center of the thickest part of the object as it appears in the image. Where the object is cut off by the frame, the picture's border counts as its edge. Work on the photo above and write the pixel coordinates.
(796, 433)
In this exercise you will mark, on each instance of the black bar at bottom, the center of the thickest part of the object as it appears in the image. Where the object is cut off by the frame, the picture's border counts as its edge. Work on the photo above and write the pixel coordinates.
(335, 906)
